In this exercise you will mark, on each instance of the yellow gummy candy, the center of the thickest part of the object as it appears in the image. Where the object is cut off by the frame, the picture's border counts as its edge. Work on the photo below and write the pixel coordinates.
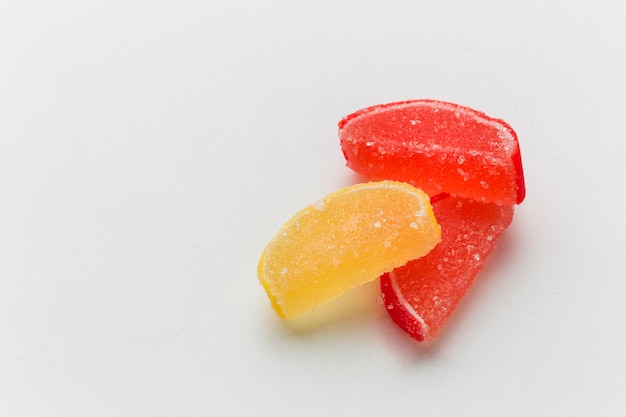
(350, 237)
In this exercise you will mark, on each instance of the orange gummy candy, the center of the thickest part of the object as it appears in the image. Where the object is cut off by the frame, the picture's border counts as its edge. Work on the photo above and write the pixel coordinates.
(421, 295)
(350, 237)
(438, 147)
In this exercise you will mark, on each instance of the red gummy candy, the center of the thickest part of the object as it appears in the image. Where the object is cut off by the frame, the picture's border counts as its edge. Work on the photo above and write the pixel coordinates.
(438, 147)
(421, 295)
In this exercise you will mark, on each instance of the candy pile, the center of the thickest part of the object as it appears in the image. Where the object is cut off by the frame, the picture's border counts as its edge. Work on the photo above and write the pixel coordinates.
(427, 251)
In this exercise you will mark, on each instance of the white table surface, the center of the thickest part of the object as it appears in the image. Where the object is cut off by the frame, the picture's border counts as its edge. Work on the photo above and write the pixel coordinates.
(149, 151)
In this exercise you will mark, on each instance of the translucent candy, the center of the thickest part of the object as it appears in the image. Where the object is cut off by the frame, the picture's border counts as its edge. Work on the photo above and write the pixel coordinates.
(438, 147)
(421, 295)
(349, 238)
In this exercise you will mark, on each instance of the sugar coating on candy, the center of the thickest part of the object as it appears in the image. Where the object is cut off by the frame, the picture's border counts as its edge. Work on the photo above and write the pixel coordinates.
(348, 238)
(421, 295)
(438, 147)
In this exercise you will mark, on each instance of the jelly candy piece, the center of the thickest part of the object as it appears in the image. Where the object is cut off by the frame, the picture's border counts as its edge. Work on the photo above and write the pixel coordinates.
(350, 237)
(421, 295)
(438, 147)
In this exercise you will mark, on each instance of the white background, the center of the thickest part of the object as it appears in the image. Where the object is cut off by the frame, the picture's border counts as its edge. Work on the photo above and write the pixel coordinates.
(150, 149)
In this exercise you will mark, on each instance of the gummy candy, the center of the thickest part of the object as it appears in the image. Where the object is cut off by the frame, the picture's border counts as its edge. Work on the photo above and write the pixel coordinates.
(421, 295)
(438, 147)
(350, 237)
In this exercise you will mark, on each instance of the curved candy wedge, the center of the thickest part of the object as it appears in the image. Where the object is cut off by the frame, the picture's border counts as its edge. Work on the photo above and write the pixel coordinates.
(438, 147)
(421, 295)
(349, 238)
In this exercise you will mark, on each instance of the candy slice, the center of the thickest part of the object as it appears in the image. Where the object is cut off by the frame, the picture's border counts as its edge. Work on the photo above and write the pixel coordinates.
(438, 147)
(421, 295)
(350, 237)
